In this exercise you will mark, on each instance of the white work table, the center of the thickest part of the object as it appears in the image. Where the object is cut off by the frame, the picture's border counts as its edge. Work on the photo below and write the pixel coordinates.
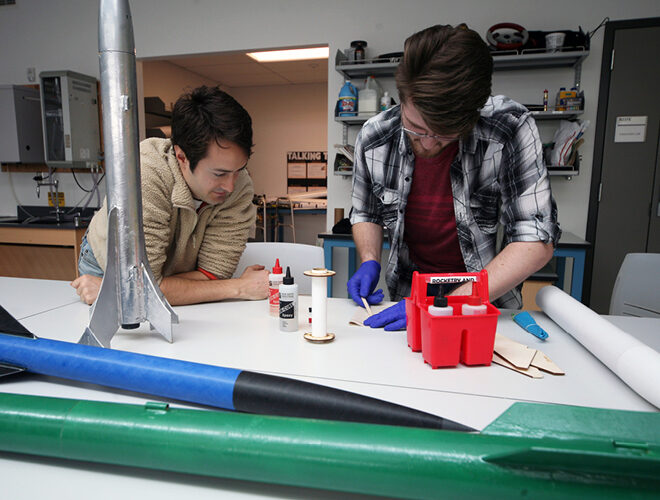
(242, 335)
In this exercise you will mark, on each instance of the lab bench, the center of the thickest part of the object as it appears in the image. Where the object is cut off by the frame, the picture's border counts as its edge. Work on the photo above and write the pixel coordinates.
(42, 247)
(35, 251)
(569, 246)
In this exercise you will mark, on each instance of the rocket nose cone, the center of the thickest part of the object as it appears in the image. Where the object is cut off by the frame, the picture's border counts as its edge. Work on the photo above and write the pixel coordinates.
(116, 26)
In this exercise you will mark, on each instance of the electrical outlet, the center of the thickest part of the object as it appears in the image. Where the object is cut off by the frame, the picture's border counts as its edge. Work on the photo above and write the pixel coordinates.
(31, 74)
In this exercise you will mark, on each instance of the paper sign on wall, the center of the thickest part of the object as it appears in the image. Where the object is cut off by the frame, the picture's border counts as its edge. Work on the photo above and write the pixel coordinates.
(630, 128)
(307, 171)
(297, 170)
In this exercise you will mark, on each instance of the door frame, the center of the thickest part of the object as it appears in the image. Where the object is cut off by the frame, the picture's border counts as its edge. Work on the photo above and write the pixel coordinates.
(601, 123)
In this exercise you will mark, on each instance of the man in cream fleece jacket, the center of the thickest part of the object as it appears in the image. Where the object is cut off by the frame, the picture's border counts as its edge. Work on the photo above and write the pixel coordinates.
(196, 204)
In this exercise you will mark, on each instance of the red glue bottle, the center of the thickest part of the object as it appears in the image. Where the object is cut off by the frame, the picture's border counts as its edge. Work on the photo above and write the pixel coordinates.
(274, 281)
(474, 305)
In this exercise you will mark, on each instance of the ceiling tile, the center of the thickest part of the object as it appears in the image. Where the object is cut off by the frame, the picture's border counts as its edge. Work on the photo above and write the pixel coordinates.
(235, 69)
(211, 59)
(238, 69)
(306, 77)
(232, 80)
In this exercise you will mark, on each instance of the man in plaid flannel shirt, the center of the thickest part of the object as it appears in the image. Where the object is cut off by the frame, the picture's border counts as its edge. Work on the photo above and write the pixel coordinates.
(441, 170)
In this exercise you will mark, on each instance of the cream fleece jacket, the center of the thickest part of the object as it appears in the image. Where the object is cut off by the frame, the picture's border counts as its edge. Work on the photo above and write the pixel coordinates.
(177, 238)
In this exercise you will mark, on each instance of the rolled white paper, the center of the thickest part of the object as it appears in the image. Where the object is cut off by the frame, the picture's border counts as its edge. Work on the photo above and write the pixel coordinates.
(319, 306)
(637, 364)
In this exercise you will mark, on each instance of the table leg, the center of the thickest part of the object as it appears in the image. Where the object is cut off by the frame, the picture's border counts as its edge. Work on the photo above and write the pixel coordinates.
(561, 271)
(577, 276)
(327, 252)
(352, 256)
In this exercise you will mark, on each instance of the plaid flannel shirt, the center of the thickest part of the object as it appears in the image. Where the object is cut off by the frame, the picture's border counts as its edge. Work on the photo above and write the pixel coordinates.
(498, 175)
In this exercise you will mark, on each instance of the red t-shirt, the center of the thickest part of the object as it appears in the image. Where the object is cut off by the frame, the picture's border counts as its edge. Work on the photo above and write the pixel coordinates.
(430, 222)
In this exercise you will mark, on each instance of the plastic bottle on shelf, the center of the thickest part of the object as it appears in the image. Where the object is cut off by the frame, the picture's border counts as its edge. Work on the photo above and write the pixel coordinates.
(347, 104)
(385, 101)
(368, 97)
(274, 281)
(559, 101)
(562, 97)
(574, 102)
(360, 52)
(440, 307)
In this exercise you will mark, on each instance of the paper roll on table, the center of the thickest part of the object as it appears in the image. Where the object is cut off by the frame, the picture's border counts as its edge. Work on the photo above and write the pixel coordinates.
(637, 364)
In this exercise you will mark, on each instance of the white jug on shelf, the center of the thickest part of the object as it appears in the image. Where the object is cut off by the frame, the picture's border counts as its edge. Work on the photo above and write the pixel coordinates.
(369, 97)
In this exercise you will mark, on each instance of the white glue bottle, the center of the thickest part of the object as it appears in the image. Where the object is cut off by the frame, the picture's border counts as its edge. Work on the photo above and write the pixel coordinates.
(288, 304)
(274, 281)
(440, 307)
(474, 305)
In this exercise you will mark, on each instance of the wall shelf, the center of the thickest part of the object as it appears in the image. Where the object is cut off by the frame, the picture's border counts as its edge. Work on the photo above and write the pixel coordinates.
(367, 67)
(538, 58)
(358, 119)
(526, 59)
(502, 61)
(556, 115)
(568, 171)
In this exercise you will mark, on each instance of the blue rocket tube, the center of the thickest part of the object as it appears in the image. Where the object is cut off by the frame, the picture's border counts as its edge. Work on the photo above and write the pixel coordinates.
(197, 383)
(169, 378)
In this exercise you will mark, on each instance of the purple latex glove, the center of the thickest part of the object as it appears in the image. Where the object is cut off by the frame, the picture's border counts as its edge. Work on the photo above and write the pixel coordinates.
(363, 282)
(392, 318)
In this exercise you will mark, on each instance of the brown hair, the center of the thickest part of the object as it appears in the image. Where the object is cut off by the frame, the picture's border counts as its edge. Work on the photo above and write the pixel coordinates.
(446, 74)
(208, 114)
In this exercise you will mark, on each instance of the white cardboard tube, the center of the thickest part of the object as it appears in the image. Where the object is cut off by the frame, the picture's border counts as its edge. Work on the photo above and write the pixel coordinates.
(319, 306)
(637, 364)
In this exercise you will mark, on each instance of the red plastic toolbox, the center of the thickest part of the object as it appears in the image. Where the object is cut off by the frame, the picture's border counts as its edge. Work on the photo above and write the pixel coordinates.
(446, 340)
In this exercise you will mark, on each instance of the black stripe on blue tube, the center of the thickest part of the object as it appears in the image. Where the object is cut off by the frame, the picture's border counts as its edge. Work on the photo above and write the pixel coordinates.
(271, 395)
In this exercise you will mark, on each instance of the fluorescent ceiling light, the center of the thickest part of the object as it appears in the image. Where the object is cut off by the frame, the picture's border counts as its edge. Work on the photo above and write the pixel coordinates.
(290, 54)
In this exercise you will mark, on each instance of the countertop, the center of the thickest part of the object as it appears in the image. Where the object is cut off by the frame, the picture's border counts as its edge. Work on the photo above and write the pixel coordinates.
(34, 216)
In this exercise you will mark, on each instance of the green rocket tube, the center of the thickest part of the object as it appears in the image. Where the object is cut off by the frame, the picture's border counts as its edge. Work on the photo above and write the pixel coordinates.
(511, 460)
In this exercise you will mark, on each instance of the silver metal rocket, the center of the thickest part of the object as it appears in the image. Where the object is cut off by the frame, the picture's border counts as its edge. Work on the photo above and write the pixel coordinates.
(129, 294)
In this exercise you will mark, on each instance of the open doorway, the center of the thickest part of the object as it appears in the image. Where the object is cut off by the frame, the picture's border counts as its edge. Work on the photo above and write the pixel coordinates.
(288, 103)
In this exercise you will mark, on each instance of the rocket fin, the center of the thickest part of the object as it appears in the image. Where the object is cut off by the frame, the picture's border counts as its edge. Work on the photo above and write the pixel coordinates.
(104, 316)
(596, 440)
(10, 369)
(158, 311)
(566, 422)
(11, 326)
(586, 460)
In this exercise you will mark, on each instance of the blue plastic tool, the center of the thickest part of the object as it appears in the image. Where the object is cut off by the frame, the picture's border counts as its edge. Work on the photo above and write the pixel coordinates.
(526, 320)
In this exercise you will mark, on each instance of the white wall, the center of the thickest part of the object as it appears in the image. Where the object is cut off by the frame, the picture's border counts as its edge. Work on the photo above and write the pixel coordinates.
(168, 81)
(284, 118)
(64, 36)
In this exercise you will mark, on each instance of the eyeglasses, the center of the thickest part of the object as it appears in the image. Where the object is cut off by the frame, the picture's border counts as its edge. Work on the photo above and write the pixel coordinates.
(438, 138)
